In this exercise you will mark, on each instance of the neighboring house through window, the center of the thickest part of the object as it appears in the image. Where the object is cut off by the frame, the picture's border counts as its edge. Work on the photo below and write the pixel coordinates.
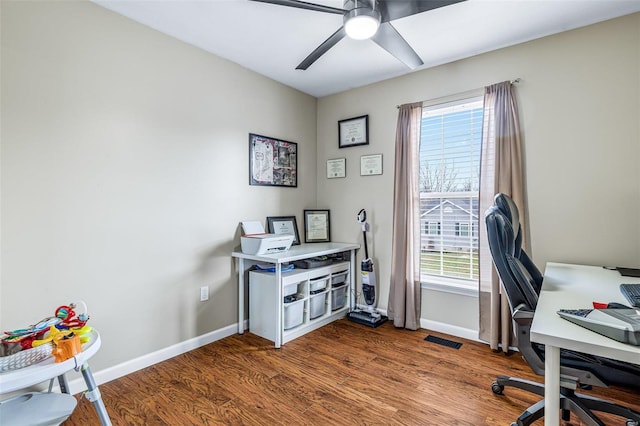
(450, 143)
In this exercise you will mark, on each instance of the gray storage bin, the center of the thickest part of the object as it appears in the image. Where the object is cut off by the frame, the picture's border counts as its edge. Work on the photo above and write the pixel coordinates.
(338, 278)
(338, 297)
(293, 314)
(317, 305)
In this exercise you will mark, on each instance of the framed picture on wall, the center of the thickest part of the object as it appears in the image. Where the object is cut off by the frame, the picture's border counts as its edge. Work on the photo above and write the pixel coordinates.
(272, 162)
(353, 131)
(283, 225)
(336, 168)
(371, 165)
(317, 226)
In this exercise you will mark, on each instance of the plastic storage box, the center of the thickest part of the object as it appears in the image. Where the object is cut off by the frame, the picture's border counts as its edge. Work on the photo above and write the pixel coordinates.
(290, 289)
(338, 297)
(318, 284)
(293, 314)
(339, 278)
(317, 305)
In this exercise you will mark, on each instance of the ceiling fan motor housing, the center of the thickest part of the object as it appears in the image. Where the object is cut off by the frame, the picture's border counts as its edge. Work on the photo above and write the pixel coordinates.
(362, 19)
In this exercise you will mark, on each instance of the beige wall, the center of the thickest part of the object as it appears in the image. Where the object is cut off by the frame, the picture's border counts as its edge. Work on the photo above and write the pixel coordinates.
(125, 174)
(579, 105)
(124, 165)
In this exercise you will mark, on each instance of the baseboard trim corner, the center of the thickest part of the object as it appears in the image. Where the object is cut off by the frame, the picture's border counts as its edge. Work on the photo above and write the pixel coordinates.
(453, 330)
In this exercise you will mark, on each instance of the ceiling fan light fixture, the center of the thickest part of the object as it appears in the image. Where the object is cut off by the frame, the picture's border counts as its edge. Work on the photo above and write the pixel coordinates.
(361, 23)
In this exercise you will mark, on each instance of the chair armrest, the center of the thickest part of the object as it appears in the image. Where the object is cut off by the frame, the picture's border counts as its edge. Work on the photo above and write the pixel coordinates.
(523, 315)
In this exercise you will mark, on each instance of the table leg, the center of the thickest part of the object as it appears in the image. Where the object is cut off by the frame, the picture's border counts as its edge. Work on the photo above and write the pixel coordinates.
(552, 386)
(352, 280)
(93, 395)
(240, 295)
(280, 305)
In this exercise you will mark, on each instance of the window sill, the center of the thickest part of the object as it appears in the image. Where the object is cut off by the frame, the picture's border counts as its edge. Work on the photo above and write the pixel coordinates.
(448, 286)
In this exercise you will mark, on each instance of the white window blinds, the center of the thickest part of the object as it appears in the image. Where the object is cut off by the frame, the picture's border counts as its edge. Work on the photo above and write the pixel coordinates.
(450, 144)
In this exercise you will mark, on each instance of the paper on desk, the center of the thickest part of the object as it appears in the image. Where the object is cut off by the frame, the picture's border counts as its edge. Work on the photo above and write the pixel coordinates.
(252, 227)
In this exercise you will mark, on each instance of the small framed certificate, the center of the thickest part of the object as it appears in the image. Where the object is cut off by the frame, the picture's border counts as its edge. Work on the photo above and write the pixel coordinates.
(317, 227)
(353, 131)
(283, 225)
(371, 165)
(336, 168)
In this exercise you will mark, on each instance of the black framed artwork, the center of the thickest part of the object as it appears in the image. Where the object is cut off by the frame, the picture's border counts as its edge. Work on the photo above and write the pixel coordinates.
(272, 162)
(283, 225)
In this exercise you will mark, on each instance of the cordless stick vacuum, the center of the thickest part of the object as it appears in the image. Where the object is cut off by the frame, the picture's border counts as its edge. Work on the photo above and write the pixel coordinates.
(366, 267)
(369, 317)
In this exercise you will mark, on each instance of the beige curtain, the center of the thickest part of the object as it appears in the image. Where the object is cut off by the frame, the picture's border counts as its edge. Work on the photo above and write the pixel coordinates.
(500, 171)
(404, 293)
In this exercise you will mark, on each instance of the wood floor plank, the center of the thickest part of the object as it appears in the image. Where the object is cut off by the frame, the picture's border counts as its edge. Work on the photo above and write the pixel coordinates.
(340, 374)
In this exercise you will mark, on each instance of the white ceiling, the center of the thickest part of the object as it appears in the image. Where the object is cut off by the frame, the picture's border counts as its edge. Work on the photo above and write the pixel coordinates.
(272, 40)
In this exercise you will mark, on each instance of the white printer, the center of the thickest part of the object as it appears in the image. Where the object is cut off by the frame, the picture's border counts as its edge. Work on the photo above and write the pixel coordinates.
(256, 241)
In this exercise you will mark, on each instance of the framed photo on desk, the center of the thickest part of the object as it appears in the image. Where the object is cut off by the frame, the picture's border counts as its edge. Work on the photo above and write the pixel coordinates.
(317, 226)
(283, 225)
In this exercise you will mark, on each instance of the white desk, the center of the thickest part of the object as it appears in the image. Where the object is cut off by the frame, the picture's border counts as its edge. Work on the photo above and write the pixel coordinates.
(48, 369)
(299, 252)
(572, 287)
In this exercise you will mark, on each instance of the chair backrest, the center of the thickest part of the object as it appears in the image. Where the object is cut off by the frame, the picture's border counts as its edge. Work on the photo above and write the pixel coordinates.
(516, 280)
(508, 207)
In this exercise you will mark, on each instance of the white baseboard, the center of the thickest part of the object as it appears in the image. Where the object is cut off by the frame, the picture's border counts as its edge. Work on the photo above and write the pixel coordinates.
(103, 376)
(465, 333)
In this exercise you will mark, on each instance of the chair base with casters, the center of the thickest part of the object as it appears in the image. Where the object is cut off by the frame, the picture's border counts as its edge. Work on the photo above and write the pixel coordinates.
(570, 401)
(572, 378)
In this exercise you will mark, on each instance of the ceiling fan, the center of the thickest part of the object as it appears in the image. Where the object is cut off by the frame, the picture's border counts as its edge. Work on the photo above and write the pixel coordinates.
(365, 19)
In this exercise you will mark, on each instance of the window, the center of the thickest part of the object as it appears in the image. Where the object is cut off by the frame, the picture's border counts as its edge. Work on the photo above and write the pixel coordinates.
(462, 229)
(450, 143)
(432, 228)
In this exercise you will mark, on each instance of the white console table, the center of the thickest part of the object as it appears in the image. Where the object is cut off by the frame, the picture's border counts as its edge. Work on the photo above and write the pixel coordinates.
(299, 252)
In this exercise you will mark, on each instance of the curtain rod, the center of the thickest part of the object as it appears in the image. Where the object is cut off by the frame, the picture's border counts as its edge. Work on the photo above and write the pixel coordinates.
(514, 81)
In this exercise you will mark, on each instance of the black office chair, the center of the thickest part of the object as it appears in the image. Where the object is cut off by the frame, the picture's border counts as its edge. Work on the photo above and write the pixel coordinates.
(508, 207)
(577, 369)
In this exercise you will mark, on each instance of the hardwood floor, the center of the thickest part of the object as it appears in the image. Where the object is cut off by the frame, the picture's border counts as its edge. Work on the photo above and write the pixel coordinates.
(341, 374)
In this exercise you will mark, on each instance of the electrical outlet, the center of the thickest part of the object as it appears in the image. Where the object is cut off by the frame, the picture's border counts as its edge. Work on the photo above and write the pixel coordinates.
(204, 293)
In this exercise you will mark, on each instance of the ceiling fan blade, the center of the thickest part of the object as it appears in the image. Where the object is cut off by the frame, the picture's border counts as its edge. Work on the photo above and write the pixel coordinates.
(322, 49)
(390, 40)
(393, 9)
(305, 5)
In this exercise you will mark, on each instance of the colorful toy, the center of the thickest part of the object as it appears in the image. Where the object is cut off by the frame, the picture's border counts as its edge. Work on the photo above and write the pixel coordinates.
(67, 347)
(68, 318)
(41, 326)
(51, 329)
(55, 334)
